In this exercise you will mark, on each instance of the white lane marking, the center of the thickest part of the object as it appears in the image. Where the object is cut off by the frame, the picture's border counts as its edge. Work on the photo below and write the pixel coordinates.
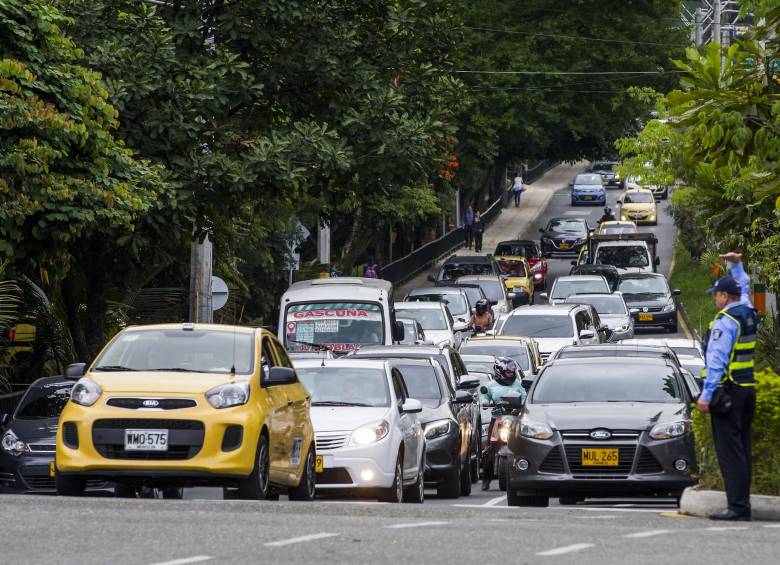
(771, 526)
(496, 500)
(725, 528)
(598, 517)
(300, 539)
(416, 525)
(565, 549)
(578, 213)
(597, 509)
(184, 560)
(647, 534)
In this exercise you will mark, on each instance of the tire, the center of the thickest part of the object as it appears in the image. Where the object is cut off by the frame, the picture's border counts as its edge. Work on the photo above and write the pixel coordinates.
(450, 486)
(173, 493)
(305, 490)
(569, 500)
(257, 485)
(416, 493)
(395, 493)
(465, 478)
(69, 485)
(513, 499)
(503, 473)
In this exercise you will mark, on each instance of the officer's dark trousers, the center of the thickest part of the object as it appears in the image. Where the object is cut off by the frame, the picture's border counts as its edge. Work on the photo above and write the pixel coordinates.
(732, 435)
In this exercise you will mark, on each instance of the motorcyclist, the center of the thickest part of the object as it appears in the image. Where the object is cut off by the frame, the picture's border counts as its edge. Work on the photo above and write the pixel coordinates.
(608, 215)
(482, 317)
(505, 373)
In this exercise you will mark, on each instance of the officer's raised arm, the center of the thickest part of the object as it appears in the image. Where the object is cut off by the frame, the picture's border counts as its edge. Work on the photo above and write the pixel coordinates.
(737, 270)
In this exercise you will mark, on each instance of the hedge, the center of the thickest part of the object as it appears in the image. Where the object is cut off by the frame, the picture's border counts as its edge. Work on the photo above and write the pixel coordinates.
(766, 440)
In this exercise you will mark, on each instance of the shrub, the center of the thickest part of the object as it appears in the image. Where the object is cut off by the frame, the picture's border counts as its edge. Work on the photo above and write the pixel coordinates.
(683, 208)
(766, 438)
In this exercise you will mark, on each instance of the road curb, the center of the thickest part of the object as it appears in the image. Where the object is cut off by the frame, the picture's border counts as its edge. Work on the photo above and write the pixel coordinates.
(539, 210)
(703, 503)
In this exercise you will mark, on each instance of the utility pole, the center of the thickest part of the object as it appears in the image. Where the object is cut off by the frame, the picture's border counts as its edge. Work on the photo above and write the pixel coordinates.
(698, 38)
(717, 15)
(200, 280)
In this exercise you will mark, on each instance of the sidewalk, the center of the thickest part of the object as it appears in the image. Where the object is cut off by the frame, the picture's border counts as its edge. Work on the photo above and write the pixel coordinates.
(512, 221)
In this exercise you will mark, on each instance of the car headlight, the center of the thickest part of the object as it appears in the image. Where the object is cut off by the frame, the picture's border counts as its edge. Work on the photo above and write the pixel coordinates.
(503, 433)
(669, 306)
(623, 327)
(537, 275)
(85, 392)
(535, 430)
(370, 433)
(13, 445)
(669, 430)
(228, 394)
(518, 289)
(438, 428)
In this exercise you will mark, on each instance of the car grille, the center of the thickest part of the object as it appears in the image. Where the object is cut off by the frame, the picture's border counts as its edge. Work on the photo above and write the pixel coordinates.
(36, 477)
(162, 403)
(185, 438)
(623, 468)
(648, 464)
(42, 447)
(553, 463)
(585, 434)
(70, 435)
(334, 476)
(327, 441)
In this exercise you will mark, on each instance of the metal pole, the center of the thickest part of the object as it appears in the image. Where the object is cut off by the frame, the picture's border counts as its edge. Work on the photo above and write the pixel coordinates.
(201, 254)
(458, 220)
(716, 18)
(698, 37)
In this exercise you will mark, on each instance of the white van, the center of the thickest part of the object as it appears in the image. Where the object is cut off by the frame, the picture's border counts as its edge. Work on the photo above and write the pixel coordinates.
(627, 252)
(341, 314)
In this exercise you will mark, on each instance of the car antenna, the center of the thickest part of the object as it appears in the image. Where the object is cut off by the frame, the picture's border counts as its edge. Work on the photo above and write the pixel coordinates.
(233, 366)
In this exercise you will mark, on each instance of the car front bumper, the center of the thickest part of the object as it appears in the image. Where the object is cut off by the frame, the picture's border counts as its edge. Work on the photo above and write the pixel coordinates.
(659, 319)
(442, 456)
(550, 248)
(31, 473)
(353, 468)
(640, 218)
(599, 198)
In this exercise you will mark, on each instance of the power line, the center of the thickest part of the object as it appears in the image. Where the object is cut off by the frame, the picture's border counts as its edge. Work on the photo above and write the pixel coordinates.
(574, 37)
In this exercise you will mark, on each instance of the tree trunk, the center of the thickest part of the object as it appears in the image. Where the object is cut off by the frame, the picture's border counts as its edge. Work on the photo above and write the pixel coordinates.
(358, 241)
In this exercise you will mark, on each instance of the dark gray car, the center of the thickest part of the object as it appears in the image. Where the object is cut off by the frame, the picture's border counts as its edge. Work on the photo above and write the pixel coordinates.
(603, 427)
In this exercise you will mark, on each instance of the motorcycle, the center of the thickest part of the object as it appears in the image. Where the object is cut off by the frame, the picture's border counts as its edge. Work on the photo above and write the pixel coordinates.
(495, 455)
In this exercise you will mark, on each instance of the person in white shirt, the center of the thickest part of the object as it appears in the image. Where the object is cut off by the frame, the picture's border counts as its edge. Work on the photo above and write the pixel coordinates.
(517, 189)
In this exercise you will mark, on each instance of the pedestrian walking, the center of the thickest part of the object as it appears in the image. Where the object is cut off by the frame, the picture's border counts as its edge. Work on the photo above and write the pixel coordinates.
(372, 269)
(729, 393)
(468, 224)
(478, 227)
(517, 189)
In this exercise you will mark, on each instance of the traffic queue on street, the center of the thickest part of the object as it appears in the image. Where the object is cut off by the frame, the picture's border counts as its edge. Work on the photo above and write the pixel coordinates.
(555, 386)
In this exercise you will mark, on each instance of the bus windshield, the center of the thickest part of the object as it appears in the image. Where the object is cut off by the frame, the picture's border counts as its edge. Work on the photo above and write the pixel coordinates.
(341, 326)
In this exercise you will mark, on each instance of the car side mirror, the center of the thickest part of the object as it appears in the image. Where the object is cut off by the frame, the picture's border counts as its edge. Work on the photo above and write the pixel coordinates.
(4, 419)
(411, 406)
(431, 278)
(460, 326)
(463, 397)
(676, 292)
(281, 376)
(633, 310)
(511, 295)
(483, 389)
(493, 302)
(657, 261)
(75, 371)
(587, 334)
(399, 331)
(571, 184)
(543, 295)
(468, 382)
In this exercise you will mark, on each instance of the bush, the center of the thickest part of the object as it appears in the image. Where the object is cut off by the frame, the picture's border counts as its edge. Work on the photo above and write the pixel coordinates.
(766, 438)
(683, 208)
(693, 280)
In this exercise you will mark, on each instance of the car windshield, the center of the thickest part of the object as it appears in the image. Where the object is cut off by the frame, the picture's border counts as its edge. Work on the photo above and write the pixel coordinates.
(687, 352)
(618, 228)
(517, 351)
(185, 351)
(588, 352)
(511, 267)
(566, 288)
(44, 402)
(643, 285)
(623, 256)
(456, 302)
(410, 333)
(602, 166)
(638, 198)
(478, 366)
(343, 326)
(348, 385)
(607, 304)
(429, 318)
(517, 249)
(494, 290)
(473, 293)
(629, 382)
(588, 179)
(568, 227)
(451, 271)
(421, 381)
(539, 326)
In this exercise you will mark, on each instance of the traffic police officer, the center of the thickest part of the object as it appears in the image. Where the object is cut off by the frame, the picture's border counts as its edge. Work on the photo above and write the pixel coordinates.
(730, 346)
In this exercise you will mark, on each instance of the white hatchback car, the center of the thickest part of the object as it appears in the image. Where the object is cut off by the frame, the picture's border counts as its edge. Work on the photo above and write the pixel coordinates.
(368, 435)
(436, 320)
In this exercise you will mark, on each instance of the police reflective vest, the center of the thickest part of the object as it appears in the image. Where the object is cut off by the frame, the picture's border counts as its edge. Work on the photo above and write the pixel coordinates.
(741, 359)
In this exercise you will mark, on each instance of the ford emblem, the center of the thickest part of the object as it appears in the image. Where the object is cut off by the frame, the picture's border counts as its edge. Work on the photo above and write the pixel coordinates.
(151, 403)
(644, 309)
(600, 434)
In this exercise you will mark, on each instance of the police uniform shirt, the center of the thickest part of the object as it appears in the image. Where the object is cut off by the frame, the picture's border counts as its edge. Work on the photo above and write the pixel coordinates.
(723, 335)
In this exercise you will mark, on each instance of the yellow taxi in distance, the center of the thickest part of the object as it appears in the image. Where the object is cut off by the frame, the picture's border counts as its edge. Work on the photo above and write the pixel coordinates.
(518, 278)
(638, 205)
(172, 406)
(617, 227)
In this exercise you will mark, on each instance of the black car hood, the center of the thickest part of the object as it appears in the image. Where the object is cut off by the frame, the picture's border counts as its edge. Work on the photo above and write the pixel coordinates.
(564, 235)
(609, 415)
(28, 430)
(434, 410)
(647, 299)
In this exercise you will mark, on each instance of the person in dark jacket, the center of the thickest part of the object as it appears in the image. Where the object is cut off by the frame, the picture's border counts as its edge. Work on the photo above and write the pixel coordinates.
(479, 229)
(468, 224)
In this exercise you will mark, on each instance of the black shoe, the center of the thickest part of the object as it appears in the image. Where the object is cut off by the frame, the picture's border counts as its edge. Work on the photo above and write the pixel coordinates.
(486, 484)
(732, 516)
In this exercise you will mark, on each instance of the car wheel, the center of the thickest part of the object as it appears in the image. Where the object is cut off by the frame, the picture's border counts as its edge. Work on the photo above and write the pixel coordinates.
(514, 499)
(306, 488)
(256, 485)
(569, 500)
(416, 492)
(173, 493)
(502, 471)
(68, 485)
(395, 493)
(450, 486)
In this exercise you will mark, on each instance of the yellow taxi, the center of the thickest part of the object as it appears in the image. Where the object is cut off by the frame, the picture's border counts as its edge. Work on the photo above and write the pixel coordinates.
(523, 349)
(518, 278)
(172, 406)
(638, 205)
(615, 227)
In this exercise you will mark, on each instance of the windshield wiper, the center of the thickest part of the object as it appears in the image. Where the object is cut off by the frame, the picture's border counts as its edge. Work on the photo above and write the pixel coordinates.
(316, 346)
(338, 403)
(175, 370)
(113, 368)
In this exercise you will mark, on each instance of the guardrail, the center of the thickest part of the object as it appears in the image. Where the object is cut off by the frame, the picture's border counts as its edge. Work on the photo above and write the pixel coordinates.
(403, 269)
